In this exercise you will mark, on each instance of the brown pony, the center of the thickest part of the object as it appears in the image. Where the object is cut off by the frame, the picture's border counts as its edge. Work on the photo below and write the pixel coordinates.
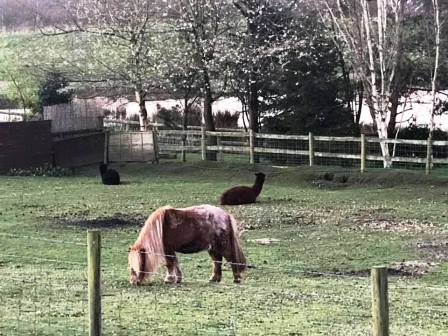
(188, 230)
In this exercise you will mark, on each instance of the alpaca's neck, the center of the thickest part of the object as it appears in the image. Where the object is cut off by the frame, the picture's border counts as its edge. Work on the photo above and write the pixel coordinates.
(258, 185)
(103, 169)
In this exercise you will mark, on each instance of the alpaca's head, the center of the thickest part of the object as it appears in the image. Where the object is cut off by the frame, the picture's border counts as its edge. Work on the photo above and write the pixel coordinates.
(103, 168)
(260, 176)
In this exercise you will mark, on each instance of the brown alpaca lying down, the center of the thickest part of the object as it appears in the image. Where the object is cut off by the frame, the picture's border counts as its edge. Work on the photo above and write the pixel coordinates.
(243, 194)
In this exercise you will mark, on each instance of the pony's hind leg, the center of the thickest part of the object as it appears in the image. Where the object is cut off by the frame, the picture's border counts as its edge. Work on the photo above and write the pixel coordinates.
(236, 269)
(217, 267)
(173, 270)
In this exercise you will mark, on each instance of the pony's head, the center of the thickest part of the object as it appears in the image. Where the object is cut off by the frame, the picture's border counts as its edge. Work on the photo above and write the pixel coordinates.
(137, 265)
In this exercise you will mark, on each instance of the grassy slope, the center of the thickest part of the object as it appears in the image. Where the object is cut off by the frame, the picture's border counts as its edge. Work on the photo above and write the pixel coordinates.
(318, 230)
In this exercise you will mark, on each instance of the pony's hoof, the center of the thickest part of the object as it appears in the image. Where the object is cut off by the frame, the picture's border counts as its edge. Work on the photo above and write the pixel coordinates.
(237, 281)
(213, 279)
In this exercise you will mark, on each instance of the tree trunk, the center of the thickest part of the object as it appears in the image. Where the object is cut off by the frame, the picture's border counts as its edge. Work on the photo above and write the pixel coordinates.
(184, 127)
(208, 116)
(143, 117)
(394, 101)
(382, 135)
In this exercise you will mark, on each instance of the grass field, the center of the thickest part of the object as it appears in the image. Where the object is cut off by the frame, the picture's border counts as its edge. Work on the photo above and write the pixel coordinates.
(313, 281)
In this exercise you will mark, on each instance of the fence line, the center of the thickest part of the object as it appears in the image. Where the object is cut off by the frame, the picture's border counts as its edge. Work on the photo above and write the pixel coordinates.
(38, 320)
(306, 149)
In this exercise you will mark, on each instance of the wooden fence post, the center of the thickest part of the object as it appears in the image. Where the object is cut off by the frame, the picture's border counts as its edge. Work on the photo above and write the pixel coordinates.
(203, 143)
(106, 147)
(380, 303)
(251, 146)
(155, 142)
(142, 146)
(220, 153)
(429, 155)
(363, 153)
(94, 281)
(311, 148)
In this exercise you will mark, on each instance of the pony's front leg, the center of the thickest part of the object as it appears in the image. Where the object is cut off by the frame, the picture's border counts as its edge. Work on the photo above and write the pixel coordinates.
(172, 270)
(178, 273)
(217, 267)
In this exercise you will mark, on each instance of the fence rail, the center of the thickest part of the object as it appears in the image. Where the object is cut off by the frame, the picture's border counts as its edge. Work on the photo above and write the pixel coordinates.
(296, 149)
(304, 149)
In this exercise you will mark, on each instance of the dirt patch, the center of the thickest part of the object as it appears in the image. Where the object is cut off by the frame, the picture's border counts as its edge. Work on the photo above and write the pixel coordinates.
(435, 250)
(381, 220)
(412, 268)
(117, 220)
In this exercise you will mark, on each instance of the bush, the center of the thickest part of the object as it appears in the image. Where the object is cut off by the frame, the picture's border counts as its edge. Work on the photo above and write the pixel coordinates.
(172, 118)
(421, 133)
(53, 90)
(226, 119)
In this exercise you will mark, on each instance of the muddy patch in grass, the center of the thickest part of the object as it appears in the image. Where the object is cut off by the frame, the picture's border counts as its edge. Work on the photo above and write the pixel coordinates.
(413, 268)
(383, 220)
(434, 250)
(115, 221)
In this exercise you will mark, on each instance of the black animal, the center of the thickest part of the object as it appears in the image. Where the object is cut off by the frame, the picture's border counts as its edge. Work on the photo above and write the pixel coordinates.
(109, 176)
(243, 194)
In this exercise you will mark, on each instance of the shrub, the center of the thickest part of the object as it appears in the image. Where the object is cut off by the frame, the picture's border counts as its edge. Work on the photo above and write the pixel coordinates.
(53, 90)
(226, 119)
(172, 118)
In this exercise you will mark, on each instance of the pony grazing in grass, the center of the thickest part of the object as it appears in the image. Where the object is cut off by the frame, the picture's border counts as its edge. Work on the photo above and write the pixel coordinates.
(188, 230)
(243, 194)
(109, 176)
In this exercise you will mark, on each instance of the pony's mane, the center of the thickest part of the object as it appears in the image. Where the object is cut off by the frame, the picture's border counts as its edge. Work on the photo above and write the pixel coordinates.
(150, 240)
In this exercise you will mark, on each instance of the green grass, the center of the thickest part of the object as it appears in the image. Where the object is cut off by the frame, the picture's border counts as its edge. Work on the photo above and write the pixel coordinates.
(313, 282)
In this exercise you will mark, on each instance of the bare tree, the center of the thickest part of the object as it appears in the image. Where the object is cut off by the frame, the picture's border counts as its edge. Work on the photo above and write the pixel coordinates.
(203, 24)
(123, 37)
(372, 35)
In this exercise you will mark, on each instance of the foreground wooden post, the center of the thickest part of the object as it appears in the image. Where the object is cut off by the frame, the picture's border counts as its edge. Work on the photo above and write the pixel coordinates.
(203, 143)
(363, 153)
(380, 303)
(429, 155)
(94, 281)
(311, 148)
(251, 146)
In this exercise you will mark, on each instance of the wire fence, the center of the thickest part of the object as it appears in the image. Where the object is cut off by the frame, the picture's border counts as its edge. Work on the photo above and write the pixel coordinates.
(44, 295)
(276, 149)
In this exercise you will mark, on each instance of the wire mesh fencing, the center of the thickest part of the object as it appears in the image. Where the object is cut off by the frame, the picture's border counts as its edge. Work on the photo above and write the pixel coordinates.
(42, 293)
(286, 150)
(47, 295)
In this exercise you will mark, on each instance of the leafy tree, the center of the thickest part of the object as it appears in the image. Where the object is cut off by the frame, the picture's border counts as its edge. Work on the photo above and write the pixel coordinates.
(21, 85)
(306, 86)
(53, 90)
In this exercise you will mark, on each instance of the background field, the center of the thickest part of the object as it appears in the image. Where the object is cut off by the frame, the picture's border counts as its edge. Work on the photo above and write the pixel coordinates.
(333, 225)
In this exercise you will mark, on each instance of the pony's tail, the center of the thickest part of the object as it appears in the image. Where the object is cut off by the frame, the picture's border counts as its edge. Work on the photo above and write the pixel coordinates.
(239, 260)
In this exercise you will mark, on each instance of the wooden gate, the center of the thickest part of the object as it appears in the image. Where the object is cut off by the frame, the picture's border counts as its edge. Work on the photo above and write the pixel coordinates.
(130, 147)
